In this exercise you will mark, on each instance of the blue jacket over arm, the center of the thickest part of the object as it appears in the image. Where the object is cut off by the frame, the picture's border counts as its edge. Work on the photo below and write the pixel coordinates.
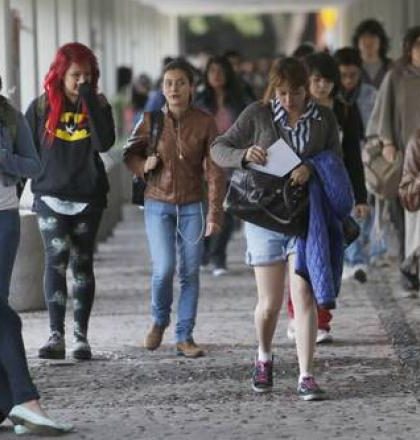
(320, 254)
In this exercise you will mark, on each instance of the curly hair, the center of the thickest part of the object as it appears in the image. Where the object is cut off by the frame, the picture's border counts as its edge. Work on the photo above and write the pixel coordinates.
(372, 27)
(53, 82)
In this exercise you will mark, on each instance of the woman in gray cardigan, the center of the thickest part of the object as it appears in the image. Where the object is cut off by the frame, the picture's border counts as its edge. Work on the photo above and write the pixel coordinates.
(18, 159)
(308, 129)
(395, 118)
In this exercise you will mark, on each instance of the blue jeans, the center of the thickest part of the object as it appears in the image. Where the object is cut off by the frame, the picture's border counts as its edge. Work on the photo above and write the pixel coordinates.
(173, 229)
(9, 241)
(367, 246)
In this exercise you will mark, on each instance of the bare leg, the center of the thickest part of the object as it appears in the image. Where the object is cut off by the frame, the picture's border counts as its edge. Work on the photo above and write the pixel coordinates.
(305, 319)
(270, 284)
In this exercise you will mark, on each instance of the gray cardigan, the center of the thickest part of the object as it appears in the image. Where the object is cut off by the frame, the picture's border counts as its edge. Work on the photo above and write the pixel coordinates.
(18, 157)
(255, 126)
(395, 116)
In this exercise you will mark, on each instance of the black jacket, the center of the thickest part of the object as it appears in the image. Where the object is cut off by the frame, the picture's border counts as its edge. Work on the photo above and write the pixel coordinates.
(351, 127)
(71, 166)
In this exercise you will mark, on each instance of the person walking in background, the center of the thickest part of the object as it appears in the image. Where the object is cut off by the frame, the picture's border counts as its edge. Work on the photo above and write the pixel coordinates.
(371, 40)
(174, 207)
(352, 88)
(139, 95)
(288, 112)
(353, 106)
(395, 118)
(222, 98)
(121, 104)
(19, 398)
(71, 124)
(235, 60)
(18, 160)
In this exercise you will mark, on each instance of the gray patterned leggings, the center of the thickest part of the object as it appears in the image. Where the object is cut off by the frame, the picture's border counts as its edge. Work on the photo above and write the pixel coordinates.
(69, 239)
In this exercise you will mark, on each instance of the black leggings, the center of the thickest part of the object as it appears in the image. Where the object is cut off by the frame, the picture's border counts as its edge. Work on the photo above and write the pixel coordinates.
(69, 238)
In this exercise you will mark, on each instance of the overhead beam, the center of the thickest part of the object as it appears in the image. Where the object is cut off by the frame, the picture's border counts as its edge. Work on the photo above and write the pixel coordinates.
(216, 7)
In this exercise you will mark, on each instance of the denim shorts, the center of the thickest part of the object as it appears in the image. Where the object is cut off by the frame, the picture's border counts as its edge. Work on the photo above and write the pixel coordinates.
(265, 247)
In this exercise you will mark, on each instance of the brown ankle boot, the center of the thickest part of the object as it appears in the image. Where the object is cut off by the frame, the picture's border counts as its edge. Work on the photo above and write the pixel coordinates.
(154, 337)
(189, 349)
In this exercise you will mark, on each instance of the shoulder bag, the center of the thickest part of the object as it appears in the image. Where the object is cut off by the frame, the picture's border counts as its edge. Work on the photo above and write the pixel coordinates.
(139, 184)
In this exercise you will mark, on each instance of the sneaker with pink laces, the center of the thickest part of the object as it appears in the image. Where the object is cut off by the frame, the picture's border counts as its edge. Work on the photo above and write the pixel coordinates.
(308, 389)
(262, 376)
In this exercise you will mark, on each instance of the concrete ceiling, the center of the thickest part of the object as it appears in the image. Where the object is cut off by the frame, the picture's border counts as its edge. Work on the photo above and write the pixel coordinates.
(214, 7)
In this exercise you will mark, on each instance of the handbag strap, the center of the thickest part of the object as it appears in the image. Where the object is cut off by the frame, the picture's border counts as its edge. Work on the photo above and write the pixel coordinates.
(274, 217)
(156, 127)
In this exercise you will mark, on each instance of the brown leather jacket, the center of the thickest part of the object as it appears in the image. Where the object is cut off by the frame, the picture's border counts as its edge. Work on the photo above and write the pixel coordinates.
(185, 162)
(409, 189)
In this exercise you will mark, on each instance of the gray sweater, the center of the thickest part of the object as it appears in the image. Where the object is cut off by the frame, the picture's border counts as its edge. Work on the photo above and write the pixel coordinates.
(255, 126)
(18, 157)
(396, 113)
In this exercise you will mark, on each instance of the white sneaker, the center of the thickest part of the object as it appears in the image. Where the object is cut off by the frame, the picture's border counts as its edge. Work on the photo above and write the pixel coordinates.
(291, 334)
(323, 337)
(348, 272)
(219, 271)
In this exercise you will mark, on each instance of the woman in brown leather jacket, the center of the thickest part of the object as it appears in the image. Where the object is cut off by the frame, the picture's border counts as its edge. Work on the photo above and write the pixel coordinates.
(174, 207)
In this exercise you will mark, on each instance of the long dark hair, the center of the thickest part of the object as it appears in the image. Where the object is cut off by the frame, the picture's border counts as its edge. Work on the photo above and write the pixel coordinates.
(372, 27)
(232, 94)
(410, 38)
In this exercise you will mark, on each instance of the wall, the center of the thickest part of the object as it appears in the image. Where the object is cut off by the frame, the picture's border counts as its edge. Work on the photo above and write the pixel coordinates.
(396, 16)
(119, 31)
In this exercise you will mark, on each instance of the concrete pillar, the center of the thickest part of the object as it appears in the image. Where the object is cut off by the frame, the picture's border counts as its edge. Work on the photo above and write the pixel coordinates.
(82, 16)
(47, 35)
(108, 67)
(66, 25)
(26, 291)
(6, 55)
(28, 58)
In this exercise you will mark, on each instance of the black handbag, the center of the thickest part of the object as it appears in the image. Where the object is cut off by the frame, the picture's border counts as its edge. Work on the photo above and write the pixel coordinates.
(268, 201)
(138, 186)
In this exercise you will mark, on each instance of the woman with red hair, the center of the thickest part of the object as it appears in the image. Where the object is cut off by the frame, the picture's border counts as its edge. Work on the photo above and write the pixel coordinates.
(71, 124)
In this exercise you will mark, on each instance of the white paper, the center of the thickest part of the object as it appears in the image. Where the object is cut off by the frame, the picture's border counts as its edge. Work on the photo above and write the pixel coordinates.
(281, 159)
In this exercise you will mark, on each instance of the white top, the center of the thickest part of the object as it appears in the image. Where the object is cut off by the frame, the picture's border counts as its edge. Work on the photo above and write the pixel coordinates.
(8, 196)
(64, 206)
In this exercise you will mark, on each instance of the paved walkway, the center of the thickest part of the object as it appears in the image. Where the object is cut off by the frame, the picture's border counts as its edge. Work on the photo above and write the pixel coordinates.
(370, 371)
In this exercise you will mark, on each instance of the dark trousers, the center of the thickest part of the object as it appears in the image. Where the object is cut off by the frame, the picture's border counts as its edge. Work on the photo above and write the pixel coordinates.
(9, 241)
(69, 239)
(16, 385)
(215, 246)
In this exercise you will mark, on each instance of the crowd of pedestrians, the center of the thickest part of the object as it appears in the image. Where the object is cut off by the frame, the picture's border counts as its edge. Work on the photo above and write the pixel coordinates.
(187, 136)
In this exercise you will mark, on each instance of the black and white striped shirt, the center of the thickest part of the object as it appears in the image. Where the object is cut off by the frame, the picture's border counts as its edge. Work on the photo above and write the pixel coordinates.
(299, 135)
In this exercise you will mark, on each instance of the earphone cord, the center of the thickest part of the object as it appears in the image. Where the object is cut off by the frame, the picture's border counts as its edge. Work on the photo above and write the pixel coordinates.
(203, 226)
